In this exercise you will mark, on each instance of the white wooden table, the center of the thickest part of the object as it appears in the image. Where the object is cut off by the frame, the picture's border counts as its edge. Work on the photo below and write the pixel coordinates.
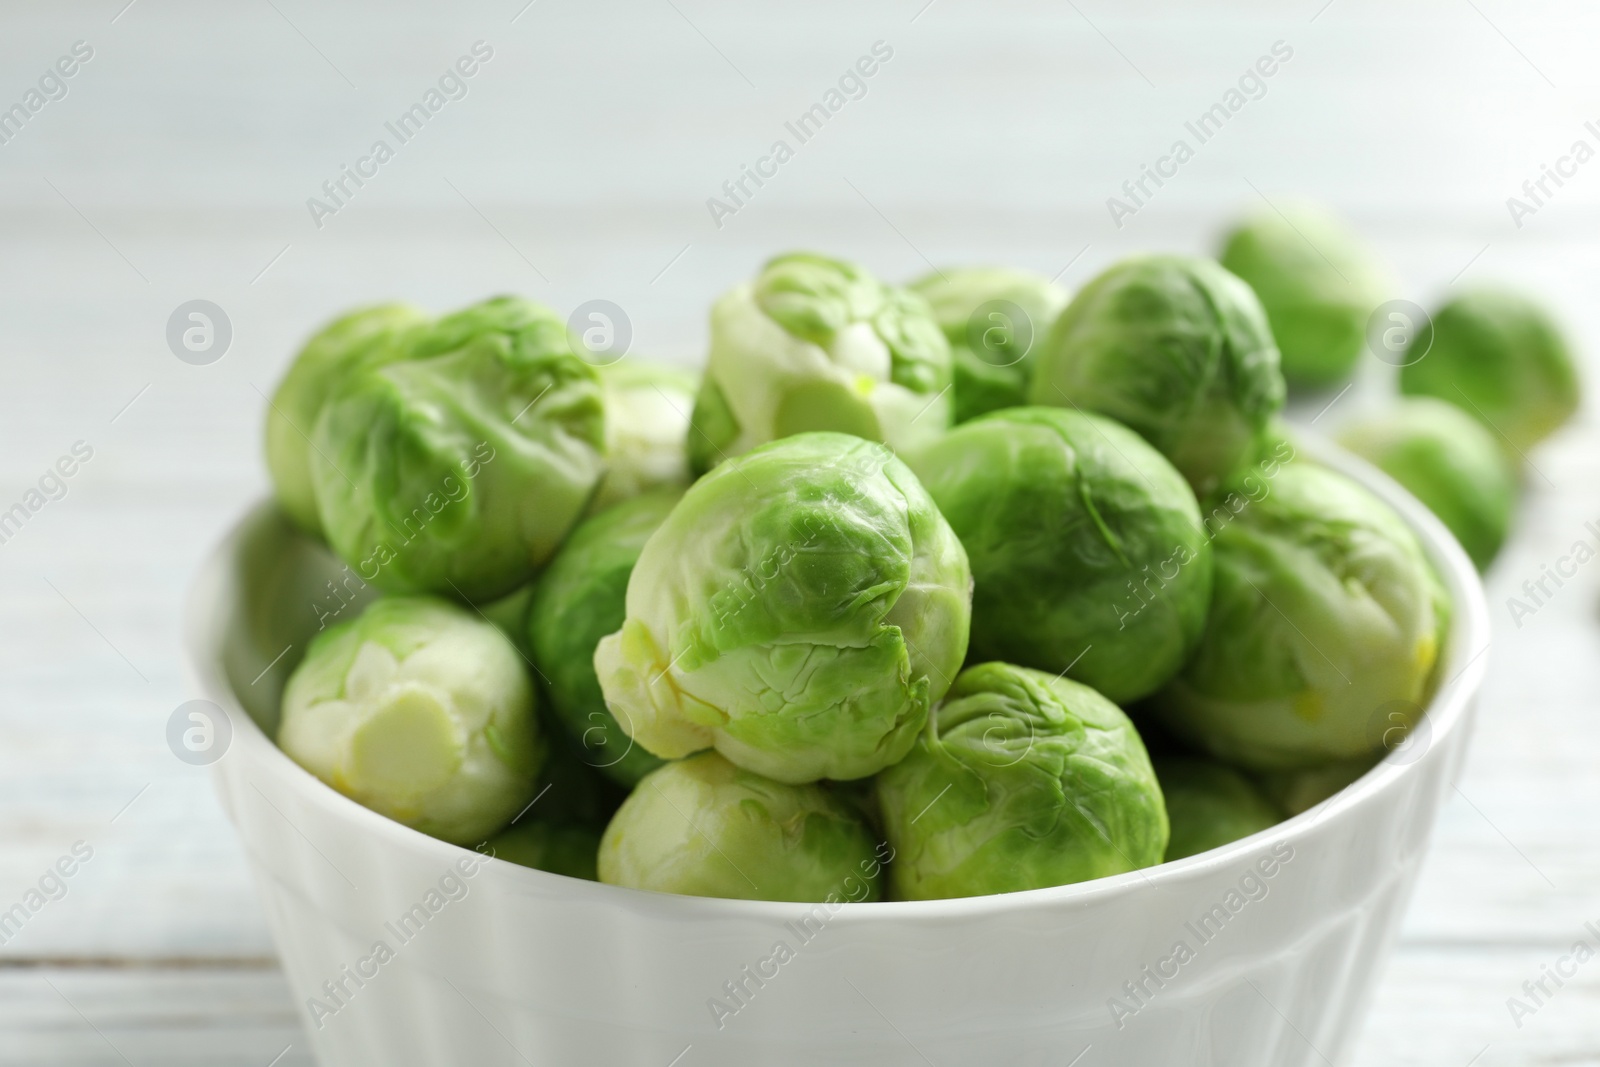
(178, 165)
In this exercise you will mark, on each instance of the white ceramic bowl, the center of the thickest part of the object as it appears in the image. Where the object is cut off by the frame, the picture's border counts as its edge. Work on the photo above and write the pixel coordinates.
(1281, 934)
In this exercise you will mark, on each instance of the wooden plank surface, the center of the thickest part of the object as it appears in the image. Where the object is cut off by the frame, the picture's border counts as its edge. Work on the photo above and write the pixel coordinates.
(578, 165)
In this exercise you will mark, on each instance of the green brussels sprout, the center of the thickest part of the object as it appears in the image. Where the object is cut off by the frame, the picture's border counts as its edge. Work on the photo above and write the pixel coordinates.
(819, 344)
(995, 318)
(462, 468)
(1318, 283)
(647, 429)
(579, 600)
(799, 610)
(1022, 780)
(1500, 357)
(1177, 349)
(364, 338)
(547, 846)
(1325, 618)
(705, 827)
(421, 711)
(1209, 805)
(1301, 790)
(1087, 552)
(1450, 462)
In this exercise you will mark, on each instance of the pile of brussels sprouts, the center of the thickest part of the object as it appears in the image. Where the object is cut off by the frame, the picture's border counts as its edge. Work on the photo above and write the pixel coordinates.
(956, 588)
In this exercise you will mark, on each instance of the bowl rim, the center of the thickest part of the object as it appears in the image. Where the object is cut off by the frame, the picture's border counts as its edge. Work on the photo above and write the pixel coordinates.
(212, 599)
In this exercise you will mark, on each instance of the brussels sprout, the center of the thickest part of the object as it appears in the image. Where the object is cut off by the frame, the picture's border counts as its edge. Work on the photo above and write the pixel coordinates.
(547, 846)
(463, 468)
(1500, 357)
(1176, 348)
(1021, 780)
(368, 337)
(800, 610)
(1209, 805)
(647, 428)
(819, 344)
(1086, 546)
(420, 711)
(704, 827)
(1325, 616)
(1450, 462)
(995, 318)
(580, 599)
(1318, 284)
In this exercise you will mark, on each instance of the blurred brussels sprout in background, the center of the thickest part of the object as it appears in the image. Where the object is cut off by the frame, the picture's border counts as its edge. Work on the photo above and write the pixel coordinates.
(578, 600)
(533, 842)
(461, 469)
(1499, 356)
(364, 338)
(1450, 462)
(704, 827)
(1318, 284)
(1022, 780)
(1176, 348)
(420, 711)
(995, 319)
(1324, 613)
(799, 610)
(819, 344)
(647, 428)
(1209, 805)
(1297, 791)
(1086, 546)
